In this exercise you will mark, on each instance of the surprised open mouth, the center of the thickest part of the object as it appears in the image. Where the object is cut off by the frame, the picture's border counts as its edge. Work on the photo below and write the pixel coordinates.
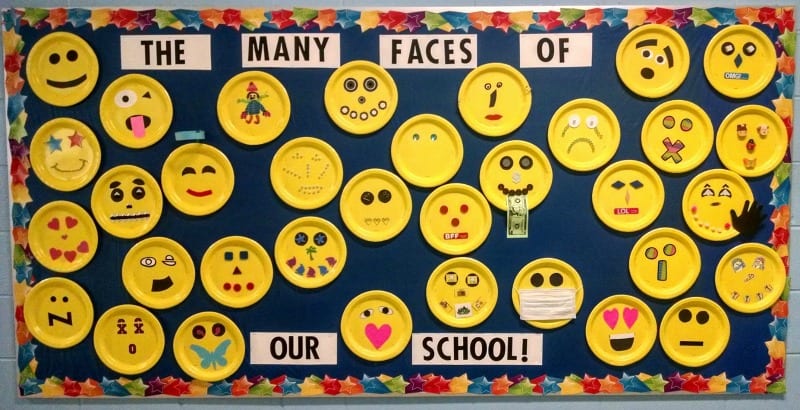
(138, 124)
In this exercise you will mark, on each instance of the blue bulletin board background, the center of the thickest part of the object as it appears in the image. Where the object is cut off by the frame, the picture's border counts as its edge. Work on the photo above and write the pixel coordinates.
(563, 226)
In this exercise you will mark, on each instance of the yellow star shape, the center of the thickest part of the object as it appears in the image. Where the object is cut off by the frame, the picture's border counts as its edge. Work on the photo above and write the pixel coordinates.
(783, 107)
(522, 20)
(776, 348)
(569, 386)
(718, 383)
(368, 20)
(460, 384)
(51, 389)
(636, 17)
(10, 40)
(198, 388)
(99, 18)
(253, 18)
(309, 387)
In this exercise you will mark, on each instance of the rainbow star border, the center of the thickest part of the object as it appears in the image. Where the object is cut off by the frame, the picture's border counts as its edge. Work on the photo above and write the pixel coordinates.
(772, 380)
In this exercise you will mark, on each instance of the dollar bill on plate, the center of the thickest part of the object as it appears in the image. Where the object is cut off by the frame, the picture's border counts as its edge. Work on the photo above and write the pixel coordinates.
(517, 216)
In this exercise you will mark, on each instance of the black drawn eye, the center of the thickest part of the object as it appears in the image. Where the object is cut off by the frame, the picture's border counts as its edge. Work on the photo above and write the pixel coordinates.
(728, 48)
(749, 49)
(350, 84)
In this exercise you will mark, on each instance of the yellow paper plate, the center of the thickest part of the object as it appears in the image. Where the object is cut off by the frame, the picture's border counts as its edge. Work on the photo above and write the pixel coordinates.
(621, 330)
(628, 196)
(427, 150)
(197, 179)
(664, 263)
(708, 201)
(750, 277)
(376, 326)
(494, 99)
(675, 136)
(126, 201)
(515, 168)
(58, 313)
(375, 205)
(253, 107)
(62, 69)
(208, 346)
(461, 292)
(128, 339)
(538, 280)
(455, 219)
(739, 61)
(158, 272)
(236, 271)
(694, 332)
(652, 60)
(752, 141)
(62, 236)
(583, 134)
(136, 111)
(65, 154)
(306, 173)
(310, 252)
(361, 97)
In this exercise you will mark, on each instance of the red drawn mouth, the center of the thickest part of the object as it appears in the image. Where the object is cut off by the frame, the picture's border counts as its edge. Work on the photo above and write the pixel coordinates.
(198, 194)
(493, 117)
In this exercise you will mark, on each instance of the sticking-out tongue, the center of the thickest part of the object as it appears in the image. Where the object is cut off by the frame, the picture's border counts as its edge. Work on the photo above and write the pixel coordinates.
(138, 124)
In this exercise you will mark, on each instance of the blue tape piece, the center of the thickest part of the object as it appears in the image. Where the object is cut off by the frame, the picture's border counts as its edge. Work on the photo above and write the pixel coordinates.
(190, 135)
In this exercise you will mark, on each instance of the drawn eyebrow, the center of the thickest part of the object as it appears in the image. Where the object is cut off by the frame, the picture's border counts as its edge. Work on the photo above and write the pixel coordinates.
(138, 181)
(114, 184)
(668, 52)
(648, 42)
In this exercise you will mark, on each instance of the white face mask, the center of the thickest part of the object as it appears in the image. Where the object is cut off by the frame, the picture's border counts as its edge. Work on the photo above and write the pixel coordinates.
(546, 304)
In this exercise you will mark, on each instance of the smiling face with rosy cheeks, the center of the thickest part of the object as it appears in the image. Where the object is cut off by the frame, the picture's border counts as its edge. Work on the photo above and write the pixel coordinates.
(136, 111)
(708, 201)
(198, 179)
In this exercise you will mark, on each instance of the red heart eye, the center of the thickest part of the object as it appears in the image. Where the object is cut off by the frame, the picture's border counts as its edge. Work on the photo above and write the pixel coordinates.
(53, 224)
(70, 221)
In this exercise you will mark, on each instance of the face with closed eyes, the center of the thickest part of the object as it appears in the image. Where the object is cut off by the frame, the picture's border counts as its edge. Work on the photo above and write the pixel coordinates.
(198, 179)
(708, 200)
(126, 201)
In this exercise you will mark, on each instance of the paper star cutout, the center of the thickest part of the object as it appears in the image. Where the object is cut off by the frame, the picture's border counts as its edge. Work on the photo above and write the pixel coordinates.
(759, 384)
(436, 385)
(330, 385)
(13, 62)
(240, 386)
(113, 388)
(34, 15)
(781, 307)
(222, 388)
(347, 18)
(783, 106)
(654, 383)
(12, 42)
(481, 385)
(396, 384)
(500, 20)
(26, 352)
(674, 383)
(767, 16)
(373, 385)
(165, 18)
(311, 387)
(368, 20)
(189, 18)
(90, 388)
(785, 85)
(777, 328)
(788, 39)
(724, 16)
(154, 386)
(415, 384)
(351, 385)
(500, 385)
(635, 18)
(325, 19)
(611, 384)
(571, 385)
(659, 15)
(550, 385)
(232, 18)
(784, 19)
(695, 383)
(75, 140)
(16, 105)
(289, 386)
(30, 386)
(71, 387)
(523, 387)
(776, 368)
(145, 19)
(302, 15)
(124, 18)
(19, 215)
(614, 17)
(19, 171)
(632, 384)
(680, 17)
(718, 383)
(457, 20)
(480, 20)
(435, 21)
(592, 18)
(738, 385)
(549, 20)
(779, 236)
(78, 17)
(20, 194)
(176, 387)
(701, 16)
(262, 388)
(460, 384)
(747, 15)
(57, 17)
(23, 273)
(391, 19)
(211, 17)
(591, 384)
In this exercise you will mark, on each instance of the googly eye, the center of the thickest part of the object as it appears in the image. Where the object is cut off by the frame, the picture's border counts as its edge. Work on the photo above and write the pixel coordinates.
(366, 313)
(415, 137)
(749, 49)
(386, 310)
(125, 98)
(350, 84)
(487, 86)
(525, 162)
(370, 84)
(148, 261)
(660, 59)
(727, 48)
(647, 54)
(367, 197)
(506, 162)
(592, 121)
(574, 120)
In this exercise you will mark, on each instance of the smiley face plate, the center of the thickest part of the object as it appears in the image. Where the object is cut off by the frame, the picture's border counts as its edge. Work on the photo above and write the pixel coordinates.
(750, 277)
(58, 312)
(360, 97)
(455, 219)
(664, 263)
(675, 136)
(136, 111)
(62, 69)
(494, 99)
(628, 196)
(127, 201)
(197, 179)
(236, 271)
(583, 134)
(621, 330)
(158, 272)
(515, 168)
(375, 205)
(739, 61)
(708, 200)
(65, 154)
(694, 332)
(253, 107)
(427, 150)
(128, 339)
(208, 346)
(652, 60)
(752, 141)
(461, 292)
(310, 252)
(376, 326)
(306, 173)
(62, 236)
(540, 285)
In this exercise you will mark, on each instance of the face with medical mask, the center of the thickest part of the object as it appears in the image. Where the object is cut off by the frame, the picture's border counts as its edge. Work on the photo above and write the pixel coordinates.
(547, 293)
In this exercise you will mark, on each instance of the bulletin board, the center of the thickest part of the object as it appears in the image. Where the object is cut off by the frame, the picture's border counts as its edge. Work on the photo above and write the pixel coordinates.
(303, 202)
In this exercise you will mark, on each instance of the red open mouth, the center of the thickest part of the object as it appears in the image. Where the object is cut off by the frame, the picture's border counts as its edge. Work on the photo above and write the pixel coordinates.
(493, 117)
(198, 193)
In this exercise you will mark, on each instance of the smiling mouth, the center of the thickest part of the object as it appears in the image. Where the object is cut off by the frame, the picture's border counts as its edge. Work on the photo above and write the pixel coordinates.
(198, 194)
(67, 84)
(130, 217)
(138, 124)
(693, 343)
(493, 117)
(160, 285)
(621, 342)
(83, 164)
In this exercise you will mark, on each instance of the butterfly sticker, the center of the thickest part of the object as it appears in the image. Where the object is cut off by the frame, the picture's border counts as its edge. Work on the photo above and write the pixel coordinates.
(209, 359)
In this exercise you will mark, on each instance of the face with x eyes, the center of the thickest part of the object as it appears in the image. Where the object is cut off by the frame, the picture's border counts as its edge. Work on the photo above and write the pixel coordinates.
(198, 179)
(709, 199)
(129, 339)
(126, 201)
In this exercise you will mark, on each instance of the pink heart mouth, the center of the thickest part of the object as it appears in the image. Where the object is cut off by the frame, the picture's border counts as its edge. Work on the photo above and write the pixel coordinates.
(377, 335)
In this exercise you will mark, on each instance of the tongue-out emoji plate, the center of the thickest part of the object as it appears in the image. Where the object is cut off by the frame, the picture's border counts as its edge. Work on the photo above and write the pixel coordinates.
(136, 111)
